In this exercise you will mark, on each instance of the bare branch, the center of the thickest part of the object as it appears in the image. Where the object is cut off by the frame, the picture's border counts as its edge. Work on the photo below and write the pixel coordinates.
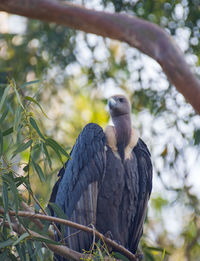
(145, 36)
(108, 241)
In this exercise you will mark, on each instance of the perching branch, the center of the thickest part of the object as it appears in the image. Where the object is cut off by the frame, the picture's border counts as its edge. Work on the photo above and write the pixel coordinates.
(113, 244)
(145, 36)
(58, 249)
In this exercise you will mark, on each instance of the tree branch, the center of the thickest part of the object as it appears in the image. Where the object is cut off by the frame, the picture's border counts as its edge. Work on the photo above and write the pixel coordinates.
(145, 36)
(113, 244)
(58, 249)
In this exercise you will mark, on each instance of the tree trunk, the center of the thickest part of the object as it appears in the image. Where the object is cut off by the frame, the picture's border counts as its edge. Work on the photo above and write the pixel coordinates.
(145, 36)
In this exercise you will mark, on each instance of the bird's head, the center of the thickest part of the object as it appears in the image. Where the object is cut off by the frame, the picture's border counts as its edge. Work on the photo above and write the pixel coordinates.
(119, 105)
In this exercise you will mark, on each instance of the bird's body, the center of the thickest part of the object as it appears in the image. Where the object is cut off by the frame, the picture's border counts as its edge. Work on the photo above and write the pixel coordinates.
(107, 182)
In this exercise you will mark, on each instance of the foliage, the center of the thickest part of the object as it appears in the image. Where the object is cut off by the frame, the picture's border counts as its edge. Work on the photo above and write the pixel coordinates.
(25, 151)
(77, 72)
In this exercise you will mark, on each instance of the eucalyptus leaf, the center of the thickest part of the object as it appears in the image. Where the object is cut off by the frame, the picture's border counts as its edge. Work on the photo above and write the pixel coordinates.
(5, 196)
(47, 154)
(37, 103)
(46, 240)
(4, 115)
(22, 237)
(39, 171)
(29, 83)
(22, 147)
(5, 93)
(35, 126)
(57, 147)
(17, 93)
(6, 243)
(8, 131)
(1, 143)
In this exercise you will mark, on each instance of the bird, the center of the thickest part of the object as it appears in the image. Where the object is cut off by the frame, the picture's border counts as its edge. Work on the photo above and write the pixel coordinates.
(107, 182)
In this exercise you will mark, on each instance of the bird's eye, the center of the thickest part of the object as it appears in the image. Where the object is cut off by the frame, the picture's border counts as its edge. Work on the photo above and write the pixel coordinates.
(121, 99)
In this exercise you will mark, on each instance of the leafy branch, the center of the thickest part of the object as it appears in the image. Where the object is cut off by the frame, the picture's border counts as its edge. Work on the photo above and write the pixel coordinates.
(65, 222)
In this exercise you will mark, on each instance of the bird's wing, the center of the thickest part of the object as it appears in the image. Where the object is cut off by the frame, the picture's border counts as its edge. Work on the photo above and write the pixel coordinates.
(77, 188)
(145, 186)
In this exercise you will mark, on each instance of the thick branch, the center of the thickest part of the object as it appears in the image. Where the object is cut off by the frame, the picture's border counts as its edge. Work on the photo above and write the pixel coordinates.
(108, 241)
(147, 37)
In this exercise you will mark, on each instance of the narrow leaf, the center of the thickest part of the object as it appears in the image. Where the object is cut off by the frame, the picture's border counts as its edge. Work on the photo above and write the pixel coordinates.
(58, 147)
(11, 182)
(56, 150)
(22, 147)
(37, 103)
(5, 93)
(35, 126)
(45, 240)
(4, 115)
(39, 171)
(120, 256)
(22, 237)
(47, 154)
(6, 243)
(1, 143)
(8, 131)
(58, 211)
(5, 196)
(29, 83)
(17, 118)
(17, 93)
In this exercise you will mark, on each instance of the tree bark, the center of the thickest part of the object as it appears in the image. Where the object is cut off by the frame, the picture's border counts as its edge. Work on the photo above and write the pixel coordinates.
(145, 36)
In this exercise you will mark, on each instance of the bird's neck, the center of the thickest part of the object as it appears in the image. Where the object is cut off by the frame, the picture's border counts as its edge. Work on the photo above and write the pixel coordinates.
(123, 130)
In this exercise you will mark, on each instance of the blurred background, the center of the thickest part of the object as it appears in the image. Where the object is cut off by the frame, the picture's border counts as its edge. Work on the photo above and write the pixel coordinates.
(77, 72)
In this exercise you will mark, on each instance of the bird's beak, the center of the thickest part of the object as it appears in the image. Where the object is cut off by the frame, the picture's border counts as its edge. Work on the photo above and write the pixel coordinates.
(111, 103)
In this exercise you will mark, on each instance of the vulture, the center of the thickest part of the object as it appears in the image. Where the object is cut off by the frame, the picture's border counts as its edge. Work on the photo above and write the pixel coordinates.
(107, 182)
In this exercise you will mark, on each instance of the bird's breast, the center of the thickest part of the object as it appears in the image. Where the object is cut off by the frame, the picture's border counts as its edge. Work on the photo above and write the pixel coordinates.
(112, 142)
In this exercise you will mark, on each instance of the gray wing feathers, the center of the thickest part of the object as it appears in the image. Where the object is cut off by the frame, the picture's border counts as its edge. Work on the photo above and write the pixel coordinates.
(145, 186)
(78, 186)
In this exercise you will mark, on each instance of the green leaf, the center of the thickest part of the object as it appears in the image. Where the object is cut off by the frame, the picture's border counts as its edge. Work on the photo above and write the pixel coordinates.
(33, 100)
(22, 257)
(163, 256)
(35, 126)
(8, 131)
(4, 115)
(196, 137)
(13, 188)
(29, 83)
(22, 237)
(5, 93)
(120, 256)
(1, 143)
(39, 171)
(21, 251)
(5, 196)
(6, 243)
(17, 118)
(57, 147)
(22, 147)
(46, 240)
(56, 150)
(59, 212)
(47, 154)
(17, 93)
